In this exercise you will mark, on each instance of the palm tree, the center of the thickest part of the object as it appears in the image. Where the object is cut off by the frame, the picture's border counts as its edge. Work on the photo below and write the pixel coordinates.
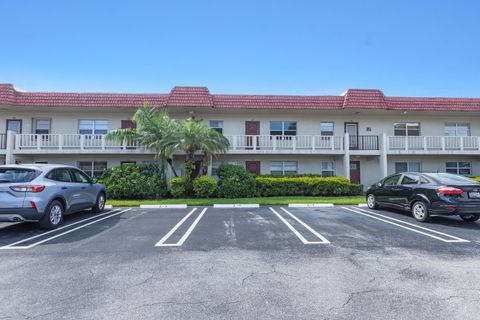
(153, 128)
(194, 137)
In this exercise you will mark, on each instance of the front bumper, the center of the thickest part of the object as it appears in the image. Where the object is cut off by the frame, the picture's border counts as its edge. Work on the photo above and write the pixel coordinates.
(19, 214)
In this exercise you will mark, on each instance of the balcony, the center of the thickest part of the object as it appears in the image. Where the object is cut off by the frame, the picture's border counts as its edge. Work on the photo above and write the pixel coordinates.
(433, 145)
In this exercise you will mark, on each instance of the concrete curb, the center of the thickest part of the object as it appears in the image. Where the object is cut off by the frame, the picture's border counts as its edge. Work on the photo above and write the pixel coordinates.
(236, 205)
(163, 206)
(108, 206)
(362, 205)
(310, 205)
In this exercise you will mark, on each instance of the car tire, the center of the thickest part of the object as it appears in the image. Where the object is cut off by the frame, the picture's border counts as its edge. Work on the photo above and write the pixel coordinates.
(420, 211)
(372, 202)
(100, 203)
(469, 217)
(53, 216)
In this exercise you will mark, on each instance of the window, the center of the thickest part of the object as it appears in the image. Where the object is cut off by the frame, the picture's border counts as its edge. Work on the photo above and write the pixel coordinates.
(93, 168)
(424, 180)
(283, 128)
(41, 126)
(327, 128)
(446, 178)
(80, 177)
(328, 168)
(17, 175)
(392, 180)
(14, 125)
(283, 167)
(407, 129)
(459, 167)
(126, 163)
(61, 174)
(217, 125)
(410, 179)
(93, 126)
(408, 166)
(457, 129)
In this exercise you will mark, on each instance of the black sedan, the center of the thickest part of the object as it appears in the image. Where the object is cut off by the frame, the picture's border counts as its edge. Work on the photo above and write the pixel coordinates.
(426, 194)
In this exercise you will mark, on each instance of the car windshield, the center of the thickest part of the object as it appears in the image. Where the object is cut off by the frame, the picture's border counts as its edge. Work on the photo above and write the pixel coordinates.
(16, 175)
(448, 178)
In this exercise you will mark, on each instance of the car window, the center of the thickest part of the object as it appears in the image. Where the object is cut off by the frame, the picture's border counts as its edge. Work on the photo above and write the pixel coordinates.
(410, 179)
(80, 176)
(17, 175)
(448, 178)
(390, 181)
(61, 174)
(424, 180)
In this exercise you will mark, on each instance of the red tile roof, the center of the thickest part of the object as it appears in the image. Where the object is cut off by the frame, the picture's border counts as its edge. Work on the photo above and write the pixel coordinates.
(201, 97)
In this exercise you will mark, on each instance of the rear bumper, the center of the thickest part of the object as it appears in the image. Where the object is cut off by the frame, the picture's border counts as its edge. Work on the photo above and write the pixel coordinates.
(19, 214)
(455, 208)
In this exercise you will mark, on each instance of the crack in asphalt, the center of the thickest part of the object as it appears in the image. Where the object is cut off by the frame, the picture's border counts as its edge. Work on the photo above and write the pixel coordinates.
(274, 271)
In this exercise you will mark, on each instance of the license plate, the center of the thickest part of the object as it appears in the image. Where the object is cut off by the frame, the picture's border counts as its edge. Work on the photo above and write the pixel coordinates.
(474, 195)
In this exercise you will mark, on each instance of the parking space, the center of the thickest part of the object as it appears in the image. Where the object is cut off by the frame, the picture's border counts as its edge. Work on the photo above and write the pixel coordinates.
(264, 228)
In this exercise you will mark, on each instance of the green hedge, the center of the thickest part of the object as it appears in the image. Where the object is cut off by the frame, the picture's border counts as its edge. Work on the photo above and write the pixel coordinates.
(204, 187)
(134, 182)
(178, 187)
(306, 186)
(235, 182)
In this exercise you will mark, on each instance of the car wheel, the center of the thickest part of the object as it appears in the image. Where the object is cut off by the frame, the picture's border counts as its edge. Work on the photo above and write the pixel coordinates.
(470, 217)
(53, 215)
(420, 211)
(372, 202)
(100, 204)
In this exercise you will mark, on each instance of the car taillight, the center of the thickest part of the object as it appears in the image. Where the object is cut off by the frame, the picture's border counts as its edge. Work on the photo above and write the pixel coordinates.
(33, 189)
(449, 190)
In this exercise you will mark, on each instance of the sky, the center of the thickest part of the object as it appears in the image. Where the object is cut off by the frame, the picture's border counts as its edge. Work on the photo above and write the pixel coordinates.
(297, 47)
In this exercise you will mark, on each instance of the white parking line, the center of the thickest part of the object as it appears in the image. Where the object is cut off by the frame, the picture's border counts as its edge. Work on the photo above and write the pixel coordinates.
(162, 241)
(14, 245)
(387, 219)
(295, 231)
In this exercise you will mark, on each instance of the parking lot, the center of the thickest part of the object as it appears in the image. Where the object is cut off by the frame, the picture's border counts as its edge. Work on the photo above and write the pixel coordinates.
(241, 263)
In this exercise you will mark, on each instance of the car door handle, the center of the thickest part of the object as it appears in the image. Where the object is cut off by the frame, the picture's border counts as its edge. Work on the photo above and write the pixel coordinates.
(64, 188)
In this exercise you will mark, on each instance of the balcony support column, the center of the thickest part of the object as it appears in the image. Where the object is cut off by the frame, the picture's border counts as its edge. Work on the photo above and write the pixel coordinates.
(383, 156)
(346, 156)
(9, 147)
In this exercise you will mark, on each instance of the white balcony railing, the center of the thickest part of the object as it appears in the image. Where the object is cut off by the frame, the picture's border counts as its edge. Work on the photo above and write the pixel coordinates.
(434, 143)
(277, 143)
(237, 143)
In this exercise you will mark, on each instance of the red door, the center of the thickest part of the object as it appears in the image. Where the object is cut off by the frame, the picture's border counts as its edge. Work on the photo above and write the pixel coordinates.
(355, 172)
(252, 128)
(253, 167)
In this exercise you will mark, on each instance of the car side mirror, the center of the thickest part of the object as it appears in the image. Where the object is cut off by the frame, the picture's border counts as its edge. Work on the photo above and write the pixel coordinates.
(379, 185)
(93, 180)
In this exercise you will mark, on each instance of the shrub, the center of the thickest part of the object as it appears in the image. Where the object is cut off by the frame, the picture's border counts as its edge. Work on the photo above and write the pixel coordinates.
(204, 187)
(134, 182)
(305, 186)
(355, 189)
(178, 187)
(235, 182)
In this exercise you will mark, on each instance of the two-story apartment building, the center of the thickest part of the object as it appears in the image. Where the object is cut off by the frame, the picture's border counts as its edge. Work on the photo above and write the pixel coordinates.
(361, 134)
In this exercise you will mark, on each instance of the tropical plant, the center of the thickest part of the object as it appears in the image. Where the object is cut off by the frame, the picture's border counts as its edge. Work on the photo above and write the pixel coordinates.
(192, 137)
(153, 128)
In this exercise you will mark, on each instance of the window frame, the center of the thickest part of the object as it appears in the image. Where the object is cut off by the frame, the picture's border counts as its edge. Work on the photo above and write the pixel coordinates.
(396, 174)
(328, 132)
(53, 172)
(218, 128)
(283, 129)
(407, 125)
(458, 168)
(456, 124)
(283, 171)
(91, 171)
(333, 169)
(35, 126)
(408, 163)
(93, 130)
